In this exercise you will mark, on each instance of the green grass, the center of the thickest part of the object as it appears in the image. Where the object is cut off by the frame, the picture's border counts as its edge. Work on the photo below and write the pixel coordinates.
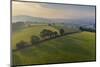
(66, 29)
(26, 33)
(69, 48)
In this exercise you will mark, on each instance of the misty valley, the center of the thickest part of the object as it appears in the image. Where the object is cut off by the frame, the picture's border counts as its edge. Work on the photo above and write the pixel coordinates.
(35, 39)
(50, 33)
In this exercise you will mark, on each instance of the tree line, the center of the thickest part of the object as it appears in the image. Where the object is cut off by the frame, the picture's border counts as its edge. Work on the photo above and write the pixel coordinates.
(45, 34)
(87, 29)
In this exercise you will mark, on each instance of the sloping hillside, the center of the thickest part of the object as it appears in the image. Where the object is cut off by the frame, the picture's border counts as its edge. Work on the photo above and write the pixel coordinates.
(26, 33)
(69, 48)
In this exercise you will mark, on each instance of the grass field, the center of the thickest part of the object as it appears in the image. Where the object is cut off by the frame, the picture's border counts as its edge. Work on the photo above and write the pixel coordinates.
(26, 33)
(69, 48)
(66, 29)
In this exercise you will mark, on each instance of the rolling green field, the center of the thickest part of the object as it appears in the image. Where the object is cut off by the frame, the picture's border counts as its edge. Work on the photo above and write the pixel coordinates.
(26, 33)
(68, 48)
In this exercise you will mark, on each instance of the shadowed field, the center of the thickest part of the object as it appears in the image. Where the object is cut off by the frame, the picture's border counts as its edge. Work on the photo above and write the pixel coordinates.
(71, 48)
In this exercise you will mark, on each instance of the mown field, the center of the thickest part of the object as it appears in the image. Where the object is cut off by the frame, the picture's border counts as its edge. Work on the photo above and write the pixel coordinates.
(68, 48)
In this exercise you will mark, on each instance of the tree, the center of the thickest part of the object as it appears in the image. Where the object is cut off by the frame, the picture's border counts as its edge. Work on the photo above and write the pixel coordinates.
(49, 33)
(35, 39)
(43, 34)
(49, 24)
(55, 33)
(81, 28)
(61, 31)
(87, 29)
(21, 44)
(46, 34)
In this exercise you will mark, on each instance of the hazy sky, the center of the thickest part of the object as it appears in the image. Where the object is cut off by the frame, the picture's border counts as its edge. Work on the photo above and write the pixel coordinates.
(52, 10)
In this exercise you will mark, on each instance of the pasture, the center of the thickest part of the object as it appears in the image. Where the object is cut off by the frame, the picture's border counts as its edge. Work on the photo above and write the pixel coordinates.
(26, 33)
(69, 48)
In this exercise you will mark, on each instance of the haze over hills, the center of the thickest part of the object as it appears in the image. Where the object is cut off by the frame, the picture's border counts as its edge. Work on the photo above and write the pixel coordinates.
(24, 18)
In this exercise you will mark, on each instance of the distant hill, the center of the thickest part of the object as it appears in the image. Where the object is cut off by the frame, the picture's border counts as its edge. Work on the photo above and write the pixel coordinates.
(24, 18)
(73, 23)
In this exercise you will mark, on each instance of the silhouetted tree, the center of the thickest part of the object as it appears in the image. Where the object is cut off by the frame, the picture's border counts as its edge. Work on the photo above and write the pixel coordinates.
(55, 34)
(49, 24)
(81, 29)
(34, 39)
(61, 31)
(50, 33)
(21, 44)
(45, 34)
(87, 29)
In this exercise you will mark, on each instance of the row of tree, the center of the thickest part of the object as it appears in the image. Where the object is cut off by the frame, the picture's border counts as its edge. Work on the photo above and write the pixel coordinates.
(47, 34)
(87, 29)
(44, 35)
(33, 40)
